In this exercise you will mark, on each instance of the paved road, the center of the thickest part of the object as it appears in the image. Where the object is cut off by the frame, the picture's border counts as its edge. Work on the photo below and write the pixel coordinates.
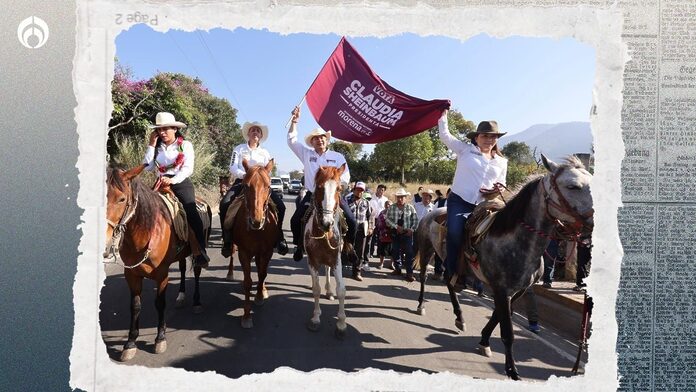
(384, 331)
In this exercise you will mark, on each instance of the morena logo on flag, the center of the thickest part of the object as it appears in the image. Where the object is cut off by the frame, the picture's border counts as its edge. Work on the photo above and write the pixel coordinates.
(349, 99)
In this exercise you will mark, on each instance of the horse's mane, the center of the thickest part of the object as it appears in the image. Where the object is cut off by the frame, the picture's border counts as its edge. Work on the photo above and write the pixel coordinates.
(149, 203)
(511, 215)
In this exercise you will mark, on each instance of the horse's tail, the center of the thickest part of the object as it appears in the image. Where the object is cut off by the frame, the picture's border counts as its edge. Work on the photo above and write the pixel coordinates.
(209, 211)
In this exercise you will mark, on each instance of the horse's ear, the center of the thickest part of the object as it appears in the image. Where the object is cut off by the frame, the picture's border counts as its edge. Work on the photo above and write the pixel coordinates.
(245, 164)
(269, 165)
(549, 164)
(134, 172)
(341, 169)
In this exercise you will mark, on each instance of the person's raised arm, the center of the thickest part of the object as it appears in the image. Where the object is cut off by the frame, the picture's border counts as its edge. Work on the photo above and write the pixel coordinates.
(446, 137)
(294, 145)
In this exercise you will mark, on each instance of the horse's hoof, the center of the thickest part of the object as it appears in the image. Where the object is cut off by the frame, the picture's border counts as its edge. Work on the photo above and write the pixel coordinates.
(160, 346)
(460, 325)
(330, 297)
(180, 300)
(230, 277)
(197, 309)
(340, 333)
(485, 351)
(512, 374)
(259, 301)
(421, 310)
(127, 354)
(312, 326)
(247, 323)
(264, 293)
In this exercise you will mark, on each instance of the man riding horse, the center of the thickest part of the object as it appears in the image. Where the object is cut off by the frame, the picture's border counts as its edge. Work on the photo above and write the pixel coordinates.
(312, 159)
(254, 133)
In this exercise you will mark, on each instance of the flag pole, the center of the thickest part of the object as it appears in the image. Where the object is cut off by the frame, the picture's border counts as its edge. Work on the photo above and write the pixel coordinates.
(343, 38)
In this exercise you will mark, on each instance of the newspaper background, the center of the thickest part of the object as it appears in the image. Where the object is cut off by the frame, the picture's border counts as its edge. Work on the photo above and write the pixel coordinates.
(658, 100)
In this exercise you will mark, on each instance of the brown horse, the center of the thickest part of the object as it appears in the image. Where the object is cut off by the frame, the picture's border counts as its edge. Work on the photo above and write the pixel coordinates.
(141, 235)
(255, 232)
(323, 242)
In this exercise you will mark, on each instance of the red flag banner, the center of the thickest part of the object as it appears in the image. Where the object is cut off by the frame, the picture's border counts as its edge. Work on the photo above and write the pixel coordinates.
(350, 100)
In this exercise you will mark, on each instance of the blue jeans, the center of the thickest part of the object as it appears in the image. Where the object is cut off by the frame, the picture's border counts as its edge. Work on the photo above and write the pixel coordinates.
(456, 208)
(403, 244)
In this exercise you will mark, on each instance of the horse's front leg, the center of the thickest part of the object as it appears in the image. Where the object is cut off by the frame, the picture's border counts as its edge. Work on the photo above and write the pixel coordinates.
(503, 309)
(245, 260)
(327, 286)
(230, 266)
(484, 343)
(315, 321)
(181, 297)
(341, 291)
(262, 268)
(160, 303)
(135, 284)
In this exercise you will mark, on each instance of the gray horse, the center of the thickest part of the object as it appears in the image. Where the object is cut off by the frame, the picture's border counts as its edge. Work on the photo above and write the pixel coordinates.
(508, 257)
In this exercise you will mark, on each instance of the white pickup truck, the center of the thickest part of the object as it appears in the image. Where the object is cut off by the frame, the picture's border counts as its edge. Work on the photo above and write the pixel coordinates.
(277, 185)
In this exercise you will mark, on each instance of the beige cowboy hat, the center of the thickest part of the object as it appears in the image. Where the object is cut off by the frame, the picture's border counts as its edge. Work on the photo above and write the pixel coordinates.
(487, 127)
(427, 192)
(402, 192)
(165, 119)
(248, 125)
(317, 132)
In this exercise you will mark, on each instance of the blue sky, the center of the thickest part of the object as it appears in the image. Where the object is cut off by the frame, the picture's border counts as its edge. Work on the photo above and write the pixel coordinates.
(517, 81)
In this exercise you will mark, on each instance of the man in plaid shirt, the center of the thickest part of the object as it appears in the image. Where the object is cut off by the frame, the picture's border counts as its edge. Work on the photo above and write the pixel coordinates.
(403, 219)
(363, 216)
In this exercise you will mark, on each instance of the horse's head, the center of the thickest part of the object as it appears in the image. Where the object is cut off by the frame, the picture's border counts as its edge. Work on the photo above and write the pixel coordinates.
(568, 194)
(326, 193)
(120, 201)
(257, 192)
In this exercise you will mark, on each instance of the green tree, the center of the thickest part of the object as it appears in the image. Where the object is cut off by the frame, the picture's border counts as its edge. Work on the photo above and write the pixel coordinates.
(400, 156)
(296, 174)
(518, 152)
(212, 121)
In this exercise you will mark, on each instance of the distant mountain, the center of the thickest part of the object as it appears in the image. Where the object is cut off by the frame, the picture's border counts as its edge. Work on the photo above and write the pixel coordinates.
(555, 140)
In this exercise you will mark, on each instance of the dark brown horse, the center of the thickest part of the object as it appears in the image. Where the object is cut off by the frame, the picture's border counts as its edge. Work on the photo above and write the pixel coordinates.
(509, 256)
(255, 232)
(324, 242)
(140, 233)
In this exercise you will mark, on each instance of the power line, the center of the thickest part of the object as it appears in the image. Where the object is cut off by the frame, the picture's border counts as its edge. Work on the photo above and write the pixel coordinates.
(224, 79)
(188, 60)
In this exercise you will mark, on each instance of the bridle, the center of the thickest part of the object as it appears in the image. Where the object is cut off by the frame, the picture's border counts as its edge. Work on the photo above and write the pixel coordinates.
(113, 246)
(320, 210)
(564, 229)
(265, 208)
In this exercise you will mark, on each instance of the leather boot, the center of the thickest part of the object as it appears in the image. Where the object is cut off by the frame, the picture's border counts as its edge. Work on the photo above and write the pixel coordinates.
(356, 274)
(282, 246)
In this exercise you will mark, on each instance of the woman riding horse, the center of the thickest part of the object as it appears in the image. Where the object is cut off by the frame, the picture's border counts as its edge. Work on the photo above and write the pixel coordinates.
(480, 169)
(254, 133)
(173, 157)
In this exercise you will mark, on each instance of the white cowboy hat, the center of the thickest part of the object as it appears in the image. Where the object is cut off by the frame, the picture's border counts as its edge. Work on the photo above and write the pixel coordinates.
(402, 192)
(165, 119)
(427, 192)
(317, 132)
(360, 185)
(248, 125)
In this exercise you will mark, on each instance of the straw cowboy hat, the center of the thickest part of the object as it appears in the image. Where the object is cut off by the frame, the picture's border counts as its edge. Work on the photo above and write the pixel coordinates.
(487, 127)
(247, 126)
(427, 192)
(317, 132)
(402, 192)
(165, 119)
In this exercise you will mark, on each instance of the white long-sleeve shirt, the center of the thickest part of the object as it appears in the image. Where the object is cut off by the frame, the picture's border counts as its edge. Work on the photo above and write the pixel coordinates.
(167, 156)
(423, 209)
(312, 161)
(254, 156)
(474, 171)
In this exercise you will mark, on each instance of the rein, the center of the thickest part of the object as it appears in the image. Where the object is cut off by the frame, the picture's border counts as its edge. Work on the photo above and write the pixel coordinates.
(318, 209)
(565, 230)
(113, 247)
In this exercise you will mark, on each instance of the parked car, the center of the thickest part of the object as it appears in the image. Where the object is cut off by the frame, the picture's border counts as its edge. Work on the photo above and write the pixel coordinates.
(277, 185)
(295, 187)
